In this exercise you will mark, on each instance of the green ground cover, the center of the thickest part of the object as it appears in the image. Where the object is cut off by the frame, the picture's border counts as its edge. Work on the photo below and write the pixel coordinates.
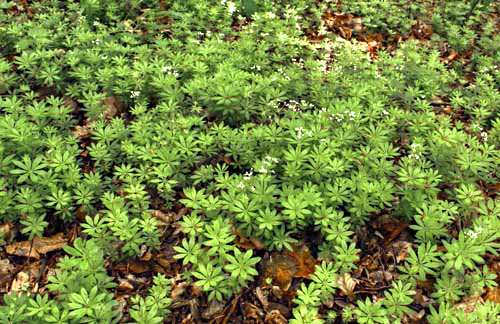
(253, 161)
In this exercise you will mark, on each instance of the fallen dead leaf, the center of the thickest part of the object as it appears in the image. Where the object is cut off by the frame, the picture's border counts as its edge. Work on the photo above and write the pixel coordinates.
(246, 243)
(21, 282)
(306, 264)
(165, 218)
(114, 107)
(275, 317)
(262, 297)
(125, 285)
(39, 245)
(493, 294)
(281, 270)
(7, 231)
(136, 267)
(468, 303)
(399, 250)
(81, 132)
(6, 267)
(347, 285)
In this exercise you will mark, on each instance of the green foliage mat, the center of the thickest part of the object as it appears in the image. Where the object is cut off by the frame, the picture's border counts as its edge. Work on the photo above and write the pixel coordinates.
(240, 162)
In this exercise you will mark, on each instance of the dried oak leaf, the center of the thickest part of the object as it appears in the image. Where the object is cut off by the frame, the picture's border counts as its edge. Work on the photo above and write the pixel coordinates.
(39, 245)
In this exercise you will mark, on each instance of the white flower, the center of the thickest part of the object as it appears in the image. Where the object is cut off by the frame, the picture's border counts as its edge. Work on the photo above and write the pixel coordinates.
(231, 7)
(134, 94)
(240, 185)
(248, 175)
(270, 15)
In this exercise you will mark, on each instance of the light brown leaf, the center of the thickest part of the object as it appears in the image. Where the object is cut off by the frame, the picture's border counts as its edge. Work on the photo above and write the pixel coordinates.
(39, 245)
(346, 285)
(493, 295)
(468, 303)
(21, 282)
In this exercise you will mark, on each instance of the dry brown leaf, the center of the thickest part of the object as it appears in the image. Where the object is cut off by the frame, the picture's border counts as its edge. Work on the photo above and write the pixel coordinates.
(21, 282)
(347, 285)
(136, 267)
(6, 267)
(114, 107)
(246, 243)
(468, 303)
(493, 294)
(305, 262)
(39, 245)
(281, 270)
(81, 132)
(399, 250)
(275, 317)
(165, 218)
(7, 232)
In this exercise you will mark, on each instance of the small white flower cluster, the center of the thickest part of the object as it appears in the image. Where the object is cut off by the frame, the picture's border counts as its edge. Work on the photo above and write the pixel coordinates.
(301, 131)
(268, 162)
(283, 73)
(134, 94)
(269, 159)
(385, 112)
(484, 136)
(414, 151)
(96, 41)
(231, 7)
(488, 69)
(170, 71)
(255, 68)
(473, 234)
(299, 62)
(248, 175)
(347, 114)
(270, 15)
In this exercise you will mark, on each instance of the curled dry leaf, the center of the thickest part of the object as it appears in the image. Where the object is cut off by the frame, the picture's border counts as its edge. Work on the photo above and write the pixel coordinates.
(39, 245)
(165, 218)
(275, 317)
(21, 282)
(399, 250)
(346, 285)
